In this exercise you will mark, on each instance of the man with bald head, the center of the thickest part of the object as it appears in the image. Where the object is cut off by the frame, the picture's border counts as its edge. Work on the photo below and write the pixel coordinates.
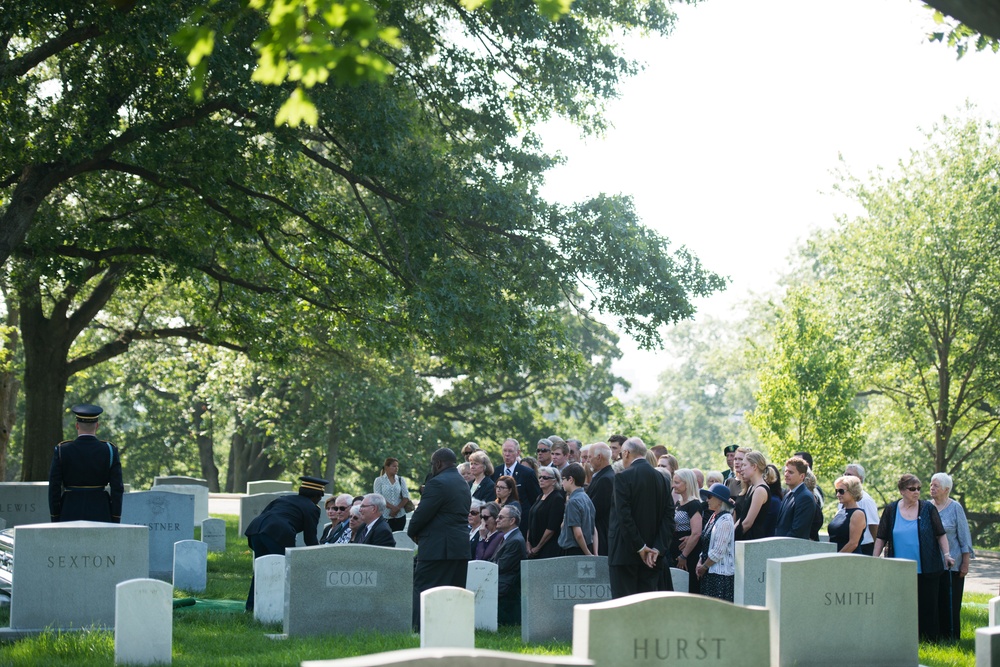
(440, 528)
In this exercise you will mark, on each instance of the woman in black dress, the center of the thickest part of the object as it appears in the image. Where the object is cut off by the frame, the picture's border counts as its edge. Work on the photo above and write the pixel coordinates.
(847, 527)
(685, 545)
(546, 515)
(752, 507)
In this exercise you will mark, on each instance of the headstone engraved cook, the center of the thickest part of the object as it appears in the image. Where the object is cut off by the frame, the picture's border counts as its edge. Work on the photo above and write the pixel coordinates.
(169, 518)
(551, 587)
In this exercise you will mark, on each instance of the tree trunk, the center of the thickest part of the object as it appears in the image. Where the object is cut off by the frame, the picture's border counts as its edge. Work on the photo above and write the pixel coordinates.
(203, 437)
(46, 348)
(236, 479)
(35, 184)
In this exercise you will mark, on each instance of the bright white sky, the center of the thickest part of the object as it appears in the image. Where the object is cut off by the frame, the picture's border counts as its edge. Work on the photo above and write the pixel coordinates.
(729, 139)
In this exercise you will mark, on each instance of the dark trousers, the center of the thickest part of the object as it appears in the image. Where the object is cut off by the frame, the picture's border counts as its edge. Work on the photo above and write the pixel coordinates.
(868, 549)
(429, 574)
(928, 591)
(262, 545)
(575, 551)
(950, 605)
(397, 524)
(632, 579)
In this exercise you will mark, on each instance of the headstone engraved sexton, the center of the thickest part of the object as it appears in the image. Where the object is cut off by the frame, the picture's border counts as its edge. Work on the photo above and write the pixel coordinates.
(551, 587)
(65, 573)
(670, 629)
(750, 583)
(872, 603)
(375, 583)
(169, 518)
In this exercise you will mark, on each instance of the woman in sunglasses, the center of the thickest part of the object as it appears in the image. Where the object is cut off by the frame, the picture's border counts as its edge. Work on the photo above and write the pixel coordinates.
(848, 527)
(546, 515)
(911, 528)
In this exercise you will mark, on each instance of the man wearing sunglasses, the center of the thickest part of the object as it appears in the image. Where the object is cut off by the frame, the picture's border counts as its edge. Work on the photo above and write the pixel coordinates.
(338, 510)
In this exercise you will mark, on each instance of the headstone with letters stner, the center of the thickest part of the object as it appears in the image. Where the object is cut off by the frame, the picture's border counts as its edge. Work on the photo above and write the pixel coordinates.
(872, 603)
(750, 583)
(23, 503)
(670, 629)
(169, 518)
(552, 586)
(375, 583)
(65, 573)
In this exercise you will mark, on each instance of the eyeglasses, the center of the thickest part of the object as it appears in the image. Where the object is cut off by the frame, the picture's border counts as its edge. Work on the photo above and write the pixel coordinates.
(841, 492)
(339, 508)
(542, 449)
(503, 486)
(913, 488)
(545, 477)
(473, 513)
(487, 517)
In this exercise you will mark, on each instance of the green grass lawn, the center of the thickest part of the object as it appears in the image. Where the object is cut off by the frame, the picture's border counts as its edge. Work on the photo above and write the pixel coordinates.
(232, 638)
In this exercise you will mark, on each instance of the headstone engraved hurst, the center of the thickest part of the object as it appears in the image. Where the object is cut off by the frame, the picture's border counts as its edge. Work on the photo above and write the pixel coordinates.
(872, 603)
(750, 584)
(375, 583)
(23, 503)
(551, 587)
(675, 629)
(483, 579)
(169, 518)
(144, 622)
(66, 573)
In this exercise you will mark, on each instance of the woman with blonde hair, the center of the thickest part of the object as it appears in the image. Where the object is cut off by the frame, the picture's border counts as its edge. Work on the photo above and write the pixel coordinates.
(687, 523)
(482, 485)
(752, 506)
(848, 527)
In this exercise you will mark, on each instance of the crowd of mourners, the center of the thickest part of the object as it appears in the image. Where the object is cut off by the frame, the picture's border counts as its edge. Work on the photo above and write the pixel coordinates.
(560, 502)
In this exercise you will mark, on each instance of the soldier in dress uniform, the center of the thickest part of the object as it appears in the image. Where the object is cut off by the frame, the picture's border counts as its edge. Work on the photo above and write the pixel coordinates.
(85, 478)
(730, 452)
(274, 529)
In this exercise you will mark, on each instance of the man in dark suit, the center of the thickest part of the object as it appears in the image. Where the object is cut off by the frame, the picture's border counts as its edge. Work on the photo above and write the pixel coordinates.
(440, 527)
(602, 492)
(799, 506)
(339, 511)
(274, 529)
(642, 525)
(80, 471)
(527, 483)
(508, 559)
(376, 530)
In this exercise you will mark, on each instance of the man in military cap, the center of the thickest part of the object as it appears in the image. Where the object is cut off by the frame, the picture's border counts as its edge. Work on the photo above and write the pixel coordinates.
(274, 529)
(82, 470)
(730, 452)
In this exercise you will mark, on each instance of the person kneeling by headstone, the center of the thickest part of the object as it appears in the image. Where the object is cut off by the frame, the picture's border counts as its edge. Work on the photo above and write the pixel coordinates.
(274, 529)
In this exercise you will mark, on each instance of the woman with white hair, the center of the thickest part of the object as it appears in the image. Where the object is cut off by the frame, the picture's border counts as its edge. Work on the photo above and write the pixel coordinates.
(546, 516)
(956, 527)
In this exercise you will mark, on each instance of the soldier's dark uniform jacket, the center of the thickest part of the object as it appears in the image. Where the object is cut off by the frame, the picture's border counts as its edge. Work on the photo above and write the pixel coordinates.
(81, 469)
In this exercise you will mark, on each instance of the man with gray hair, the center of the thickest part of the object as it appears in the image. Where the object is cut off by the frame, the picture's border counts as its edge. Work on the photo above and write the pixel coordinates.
(602, 492)
(339, 511)
(575, 446)
(508, 559)
(642, 525)
(376, 530)
(867, 503)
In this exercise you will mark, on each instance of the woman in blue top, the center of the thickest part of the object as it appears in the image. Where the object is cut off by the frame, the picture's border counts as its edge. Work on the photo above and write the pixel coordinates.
(911, 528)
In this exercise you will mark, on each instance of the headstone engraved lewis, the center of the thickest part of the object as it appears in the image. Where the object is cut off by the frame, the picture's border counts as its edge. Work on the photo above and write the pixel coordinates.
(23, 503)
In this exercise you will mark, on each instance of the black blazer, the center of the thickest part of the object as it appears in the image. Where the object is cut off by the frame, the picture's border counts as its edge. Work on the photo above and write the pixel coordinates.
(528, 489)
(284, 517)
(796, 514)
(602, 493)
(643, 514)
(508, 559)
(487, 491)
(440, 524)
(380, 535)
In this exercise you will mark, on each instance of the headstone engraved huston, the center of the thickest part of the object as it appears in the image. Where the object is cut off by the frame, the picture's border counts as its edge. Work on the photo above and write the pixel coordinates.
(23, 503)
(251, 506)
(66, 573)
(988, 647)
(750, 584)
(191, 565)
(375, 583)
(551, 587)
(213, 533)
(450, 657)
(269, 589)
(144, 622)
(169, 518)
(447, 618)
(670, 629)
(199, 492)
(483, 579)
(872, 603)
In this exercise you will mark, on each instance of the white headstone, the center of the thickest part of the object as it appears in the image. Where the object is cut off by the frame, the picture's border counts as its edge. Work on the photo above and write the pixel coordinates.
(450, 657)
(809, 595)
(65, 573)
(375, 583)
(23, 503)
(268, 486)
(213, 533)
(403, 540)
(482, 579)
(670, 629)
(199, 492)
(3, 523)
(191, 565)
(995, 611)
(269, 588)
(179, 479)
(169, 518)
(551, 587)
(251, 506)
(447, 618)
(680, 579)
(144, 622)
(750, 583)
(988, 647)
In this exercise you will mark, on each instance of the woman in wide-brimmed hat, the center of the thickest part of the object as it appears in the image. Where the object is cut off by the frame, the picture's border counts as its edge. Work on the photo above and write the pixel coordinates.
(717, 567)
